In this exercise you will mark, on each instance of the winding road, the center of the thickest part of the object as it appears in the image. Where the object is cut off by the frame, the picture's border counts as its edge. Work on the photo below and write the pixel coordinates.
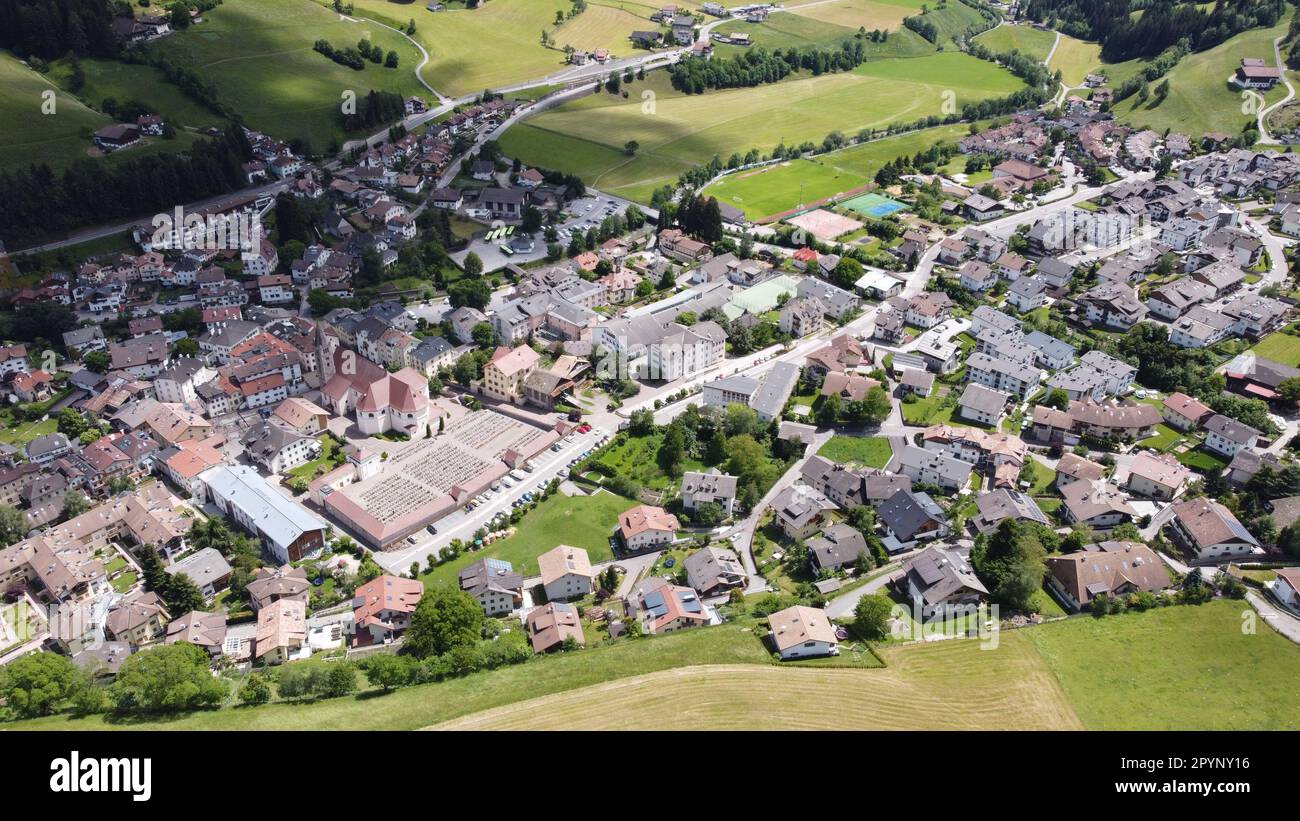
(1264, 136)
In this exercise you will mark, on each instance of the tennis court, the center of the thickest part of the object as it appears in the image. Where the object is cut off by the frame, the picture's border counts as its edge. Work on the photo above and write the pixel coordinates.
(873, 205)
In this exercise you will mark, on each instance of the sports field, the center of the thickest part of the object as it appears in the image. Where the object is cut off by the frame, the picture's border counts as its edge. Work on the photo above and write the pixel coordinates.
(777, 188)
(1200, 99)
(677, 131)
(944, 685)
(258, 54)
(874, 205)
(26, 134)
(1025, 39)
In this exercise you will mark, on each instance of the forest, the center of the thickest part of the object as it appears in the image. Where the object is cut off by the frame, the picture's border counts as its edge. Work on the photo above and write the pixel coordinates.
(1161, 24)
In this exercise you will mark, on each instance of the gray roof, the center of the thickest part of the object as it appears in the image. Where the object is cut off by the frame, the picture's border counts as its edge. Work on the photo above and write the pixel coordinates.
(709, 486)
(977, 397)
(939, 573)
(837, 545)
(954, 470)
(775, 389)
(1049, 346)
(1231, 429)
(1006, 504)
(277, 518)
(906, 512)
(204, 567)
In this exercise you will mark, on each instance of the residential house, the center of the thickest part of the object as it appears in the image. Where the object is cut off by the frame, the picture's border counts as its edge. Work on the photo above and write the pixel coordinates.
(552, 625)
(1109, 568)
(1209, 531)
(566, 573)
(646, 527)
(803, 632)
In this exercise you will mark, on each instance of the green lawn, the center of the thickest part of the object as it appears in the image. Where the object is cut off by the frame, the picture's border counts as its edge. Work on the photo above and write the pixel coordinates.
(873, 451)
(1165, 438)
(676, 131)
(1042, 479)
(581, 521)
(24, 432)
(1026, 39)
(1279, 347)
(124, 582)
(1176, 668)
(1202, 460)
(329, 459)
(930, 410)
(258, 54)
(1200, 98)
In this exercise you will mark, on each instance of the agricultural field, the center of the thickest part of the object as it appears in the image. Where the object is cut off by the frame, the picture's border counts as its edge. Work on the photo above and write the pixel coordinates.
(581, 521)
(1026, 39)
(942, 685)
(1169, 669)
(258, 54)
(26, 135)
(1200, 98)
(886, 15)
(764, 192)
(677, 131)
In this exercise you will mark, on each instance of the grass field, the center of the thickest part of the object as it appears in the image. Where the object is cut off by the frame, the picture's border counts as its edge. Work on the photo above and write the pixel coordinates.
(873, 451)
(1180, 667)
(942, 685)
(1187, 667)
(1026, 39)
(777, 188)
(1200, 98)
(499, 43)
(886, 15)
(1279, 347)
(581, 521)
(1076, 59)
(127, 81)
(29, 136)
(677, 131)
(258, 54)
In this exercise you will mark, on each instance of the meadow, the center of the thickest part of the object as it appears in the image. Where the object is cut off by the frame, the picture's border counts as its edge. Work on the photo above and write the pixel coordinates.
(1200, 99)
(258, 54)
(677, 131)
(777, 188)
(29, 136)
(1076, 59)
(1177, 667)
(499, 43)
(948, 685)
(1026, 39)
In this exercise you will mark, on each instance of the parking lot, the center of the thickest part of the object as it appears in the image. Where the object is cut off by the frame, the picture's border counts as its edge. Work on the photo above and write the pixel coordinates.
(580, 216)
